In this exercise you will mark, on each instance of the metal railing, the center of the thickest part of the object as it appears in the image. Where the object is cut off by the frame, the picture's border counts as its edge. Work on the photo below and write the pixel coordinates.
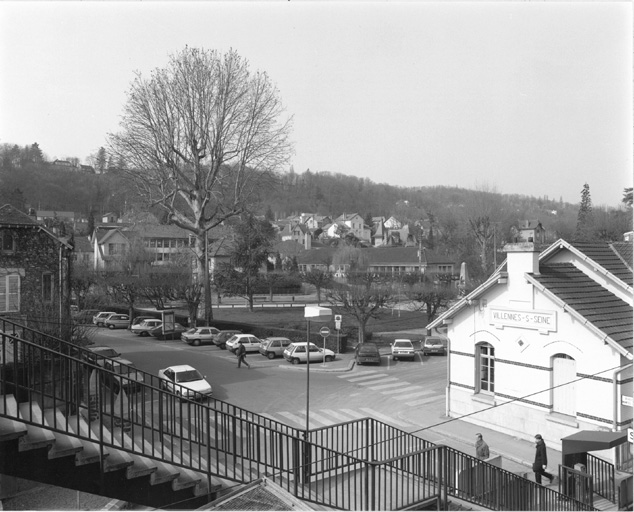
(358, 465)
(576, 484)
(603, 477)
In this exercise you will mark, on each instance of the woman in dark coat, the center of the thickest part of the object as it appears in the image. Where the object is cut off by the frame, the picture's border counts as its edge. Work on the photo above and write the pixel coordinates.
(541, 460)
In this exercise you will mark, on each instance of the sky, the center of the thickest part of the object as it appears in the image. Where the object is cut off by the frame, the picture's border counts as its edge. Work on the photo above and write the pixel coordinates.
(515, 97)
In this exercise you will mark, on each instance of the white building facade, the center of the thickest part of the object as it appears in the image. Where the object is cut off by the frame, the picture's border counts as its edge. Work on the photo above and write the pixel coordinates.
(545, 345)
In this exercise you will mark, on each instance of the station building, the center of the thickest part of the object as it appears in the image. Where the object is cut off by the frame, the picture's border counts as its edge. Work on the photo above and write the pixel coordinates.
(545, 345)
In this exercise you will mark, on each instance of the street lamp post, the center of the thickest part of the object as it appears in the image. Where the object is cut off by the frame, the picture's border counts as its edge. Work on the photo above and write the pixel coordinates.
(321, 315)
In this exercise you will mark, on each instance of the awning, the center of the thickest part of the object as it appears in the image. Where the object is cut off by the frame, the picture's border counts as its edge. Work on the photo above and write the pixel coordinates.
(591, 440)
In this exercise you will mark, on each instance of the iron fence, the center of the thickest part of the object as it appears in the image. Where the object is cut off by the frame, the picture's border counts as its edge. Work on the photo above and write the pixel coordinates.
(603, 477)
(358, 465)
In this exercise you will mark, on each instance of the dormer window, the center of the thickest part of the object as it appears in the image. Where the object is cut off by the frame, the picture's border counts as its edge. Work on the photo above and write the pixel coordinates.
(8, 242)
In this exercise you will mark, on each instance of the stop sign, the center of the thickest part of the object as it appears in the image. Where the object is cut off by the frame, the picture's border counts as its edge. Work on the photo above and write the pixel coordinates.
(324, 331)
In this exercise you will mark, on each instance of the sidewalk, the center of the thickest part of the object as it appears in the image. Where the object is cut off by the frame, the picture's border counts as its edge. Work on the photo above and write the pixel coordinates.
(517, 454)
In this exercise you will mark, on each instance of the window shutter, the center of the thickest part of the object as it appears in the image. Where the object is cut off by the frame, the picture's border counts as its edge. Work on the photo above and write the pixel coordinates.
(14, 293)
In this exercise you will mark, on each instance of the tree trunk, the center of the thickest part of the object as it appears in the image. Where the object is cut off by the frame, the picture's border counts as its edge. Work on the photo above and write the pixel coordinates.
(202, 270)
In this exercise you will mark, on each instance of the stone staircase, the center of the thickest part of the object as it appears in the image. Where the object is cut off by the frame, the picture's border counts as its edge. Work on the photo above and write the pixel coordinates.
(53, 448)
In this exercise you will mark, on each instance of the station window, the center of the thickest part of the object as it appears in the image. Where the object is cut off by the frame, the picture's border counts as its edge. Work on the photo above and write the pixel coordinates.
(485, 361)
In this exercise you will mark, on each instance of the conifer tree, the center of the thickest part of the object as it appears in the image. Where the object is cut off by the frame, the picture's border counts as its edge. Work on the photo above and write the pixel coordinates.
(584, 217)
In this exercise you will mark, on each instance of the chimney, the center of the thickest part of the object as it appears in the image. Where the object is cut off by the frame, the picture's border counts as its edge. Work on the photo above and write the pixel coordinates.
(307, 241)
(521, 258)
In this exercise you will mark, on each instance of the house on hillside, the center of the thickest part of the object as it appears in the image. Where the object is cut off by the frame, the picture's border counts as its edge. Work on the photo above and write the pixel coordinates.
(296, 232)
(529, 231)
(545, 344)
(355, 225)
(62, 163)
(34, 272)
(84, 252)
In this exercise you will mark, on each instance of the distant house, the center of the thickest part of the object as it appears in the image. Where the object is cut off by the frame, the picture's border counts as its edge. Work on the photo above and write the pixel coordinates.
(34, 271)
(42, 215)
(393, 223)
(355, 225)
(393, 261)
(62, 163)
(299, 233)
(87, 168)
(84, 252)
(531, 231)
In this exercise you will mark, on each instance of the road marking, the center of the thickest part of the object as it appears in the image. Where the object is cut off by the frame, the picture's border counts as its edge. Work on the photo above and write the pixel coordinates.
(412, 395)
(411, 388)
(427, 400)
(367, 377)
(364, 372)
(384, 418)
(386, 386)
(378, 381)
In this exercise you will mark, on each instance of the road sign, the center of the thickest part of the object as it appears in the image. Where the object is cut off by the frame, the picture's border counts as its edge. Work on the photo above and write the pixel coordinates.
(324, 331)
(630, 435)
(338, 322)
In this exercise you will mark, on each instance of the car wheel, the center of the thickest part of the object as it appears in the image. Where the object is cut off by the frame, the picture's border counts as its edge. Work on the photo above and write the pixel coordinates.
(270, 355)
(394, 358)
(329, 359)
(110, 326)
(196, 343)
(143, 333)
(295, 360)
(223, 347)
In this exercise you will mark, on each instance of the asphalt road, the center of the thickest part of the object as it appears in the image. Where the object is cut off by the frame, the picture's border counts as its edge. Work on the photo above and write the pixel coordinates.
(278, 389)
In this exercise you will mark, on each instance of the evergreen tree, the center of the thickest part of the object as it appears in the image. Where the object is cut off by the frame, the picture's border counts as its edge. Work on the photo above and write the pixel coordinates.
(584, 217)
(269, 215)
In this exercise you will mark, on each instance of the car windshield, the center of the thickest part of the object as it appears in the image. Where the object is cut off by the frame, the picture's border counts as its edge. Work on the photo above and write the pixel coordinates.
(188, 376)
(434, 342)
(367, 350)
(403, 344)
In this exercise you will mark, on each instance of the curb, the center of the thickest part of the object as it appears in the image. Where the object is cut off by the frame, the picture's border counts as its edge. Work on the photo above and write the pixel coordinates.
(320, 369)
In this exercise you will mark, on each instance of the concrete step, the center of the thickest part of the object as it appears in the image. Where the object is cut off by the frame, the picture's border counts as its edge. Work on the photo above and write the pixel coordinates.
(10, 429)
(65, 445)
(37, 436)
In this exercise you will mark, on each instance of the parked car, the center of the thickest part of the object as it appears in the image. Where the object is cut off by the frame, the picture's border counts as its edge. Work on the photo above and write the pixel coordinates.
(434, 345)
(402, 349)
(98, 353)
(274, 347)
(157, 332)
(296, 353)
(186, 381)
(144, 328)
(367, 353)
(117, 321)
(221, 339)
(84, 316)
(200, 335)
(251, 343)
(138, 319)
(131, 378)
(100, 317)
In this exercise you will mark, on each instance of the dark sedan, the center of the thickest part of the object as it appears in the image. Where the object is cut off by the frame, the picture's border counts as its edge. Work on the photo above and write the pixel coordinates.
(367, 353)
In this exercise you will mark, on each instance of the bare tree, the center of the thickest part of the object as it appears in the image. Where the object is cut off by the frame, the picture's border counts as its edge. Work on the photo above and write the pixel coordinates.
(201, 138)
(367, 296)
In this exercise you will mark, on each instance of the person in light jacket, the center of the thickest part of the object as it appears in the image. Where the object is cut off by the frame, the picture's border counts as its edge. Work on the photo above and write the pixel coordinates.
(541, 460)
(482, 449)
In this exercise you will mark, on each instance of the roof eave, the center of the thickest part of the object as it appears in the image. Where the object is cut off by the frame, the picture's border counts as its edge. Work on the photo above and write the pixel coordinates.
(579, 317)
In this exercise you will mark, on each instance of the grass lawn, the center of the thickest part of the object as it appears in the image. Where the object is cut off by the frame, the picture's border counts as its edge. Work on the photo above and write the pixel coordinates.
(293, 318)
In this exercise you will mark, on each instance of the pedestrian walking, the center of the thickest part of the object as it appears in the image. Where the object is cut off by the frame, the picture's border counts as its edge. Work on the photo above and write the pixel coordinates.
(241, 352)
(541, 460)
(482, 449)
